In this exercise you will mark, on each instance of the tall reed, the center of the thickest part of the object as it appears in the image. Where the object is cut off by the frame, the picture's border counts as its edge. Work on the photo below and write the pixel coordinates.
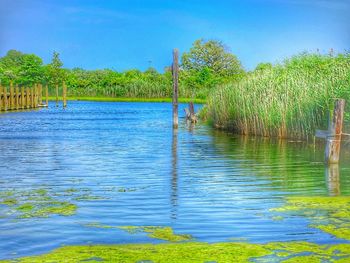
(289, 100)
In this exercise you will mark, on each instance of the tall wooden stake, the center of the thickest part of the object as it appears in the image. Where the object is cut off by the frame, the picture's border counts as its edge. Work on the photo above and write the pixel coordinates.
(64, 95)
(22, 98)
(335, 133)
(56, 95)
(1, 107)
(47, 95)
(5, 99)
(175, 71)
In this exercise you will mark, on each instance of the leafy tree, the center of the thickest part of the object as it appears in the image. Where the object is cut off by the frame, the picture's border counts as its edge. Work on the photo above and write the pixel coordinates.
(10, 65)
(31, 70)
(54, 69)
(212, 55)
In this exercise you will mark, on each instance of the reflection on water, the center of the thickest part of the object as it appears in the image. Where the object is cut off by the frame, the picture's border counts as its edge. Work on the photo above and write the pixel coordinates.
(174, 175)
(122, 164)
(333, 179)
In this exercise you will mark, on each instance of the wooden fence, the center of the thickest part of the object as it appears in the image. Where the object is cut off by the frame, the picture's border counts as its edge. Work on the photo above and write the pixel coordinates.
(20, 98)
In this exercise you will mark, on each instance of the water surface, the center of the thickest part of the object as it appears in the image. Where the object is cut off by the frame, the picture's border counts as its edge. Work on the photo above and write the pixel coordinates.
(122, 164)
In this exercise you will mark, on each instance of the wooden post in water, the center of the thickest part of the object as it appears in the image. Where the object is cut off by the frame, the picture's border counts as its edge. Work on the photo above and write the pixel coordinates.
(64, 93)
(5, 98)
(36, 96)
(335, 132)
(12, 99)
(22, 98)
(175, 73)
(17, 97)
(1, 100)
(47, 95)
(40, 88)
(56, 95)
(31, 97)
(27, 97)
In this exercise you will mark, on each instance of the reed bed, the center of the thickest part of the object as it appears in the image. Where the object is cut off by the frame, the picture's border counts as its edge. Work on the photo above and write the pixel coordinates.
(289, 100)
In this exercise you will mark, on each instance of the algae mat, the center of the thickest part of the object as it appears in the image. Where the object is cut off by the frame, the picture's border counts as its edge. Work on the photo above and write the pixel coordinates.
(197, 252)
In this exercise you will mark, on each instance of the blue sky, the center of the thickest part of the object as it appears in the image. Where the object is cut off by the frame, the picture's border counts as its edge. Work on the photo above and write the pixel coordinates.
(125, 34)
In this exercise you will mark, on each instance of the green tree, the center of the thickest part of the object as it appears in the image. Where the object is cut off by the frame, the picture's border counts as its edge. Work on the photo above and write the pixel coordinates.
(54, 69)
(55, 73)
(31, 70)
(10, 66)
(212, 55)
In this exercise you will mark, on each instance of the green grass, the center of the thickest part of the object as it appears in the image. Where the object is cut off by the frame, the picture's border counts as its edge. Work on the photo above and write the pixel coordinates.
(289, 100)
(123, 99)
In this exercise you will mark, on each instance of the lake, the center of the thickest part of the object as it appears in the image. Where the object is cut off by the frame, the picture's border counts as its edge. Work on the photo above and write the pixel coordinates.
(121, 164)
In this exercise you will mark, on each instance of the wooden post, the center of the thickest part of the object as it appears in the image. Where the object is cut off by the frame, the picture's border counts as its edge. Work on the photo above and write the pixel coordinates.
(31, 97)
(5, 98)
(335, 133)
(175, 73)
(36, 96)
(1, 100)
(56, 95)
(27, 97)
(40, 87)
(64, 95)
(17, 97)
(12, 99)
(47, 95)
(22, 98)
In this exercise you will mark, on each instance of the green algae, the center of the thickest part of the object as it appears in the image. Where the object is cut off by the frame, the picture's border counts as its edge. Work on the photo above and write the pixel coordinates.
(329, 214)
(197, 252)
(98, 225)
(158, 232)
(88, 197)
(35, 203)
(9, 201)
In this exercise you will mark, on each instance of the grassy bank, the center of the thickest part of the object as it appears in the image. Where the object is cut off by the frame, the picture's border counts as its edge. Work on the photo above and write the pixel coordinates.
(122, 99)
(291, 99)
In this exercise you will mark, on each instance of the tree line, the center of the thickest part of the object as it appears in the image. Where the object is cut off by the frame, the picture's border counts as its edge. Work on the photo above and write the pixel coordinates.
(207, 64)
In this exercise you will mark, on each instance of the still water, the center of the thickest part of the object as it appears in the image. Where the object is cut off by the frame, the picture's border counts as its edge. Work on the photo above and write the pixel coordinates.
(122, 165)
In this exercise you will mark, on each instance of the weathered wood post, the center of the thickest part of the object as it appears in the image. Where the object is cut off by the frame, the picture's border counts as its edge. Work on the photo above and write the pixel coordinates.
(31, 97)
(175, 73)
(40, 94)
(27, 97)
(47, 95)
(1, 100)
(12, 99)
(64, 93)
(56, 95)
(17, 97)
(335, 132)
(22, 98)
(34, 95)
(5, 98)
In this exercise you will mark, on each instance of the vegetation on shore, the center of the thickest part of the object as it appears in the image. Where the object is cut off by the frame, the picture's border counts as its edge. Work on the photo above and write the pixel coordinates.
(291, 99)
(206, 65)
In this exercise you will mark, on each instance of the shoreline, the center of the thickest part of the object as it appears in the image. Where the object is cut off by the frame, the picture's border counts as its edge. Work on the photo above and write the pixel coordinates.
(126, 99)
